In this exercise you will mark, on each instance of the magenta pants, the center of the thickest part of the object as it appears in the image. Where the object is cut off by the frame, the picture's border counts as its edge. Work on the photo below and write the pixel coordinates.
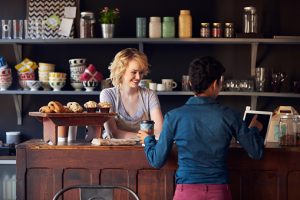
(202, 192)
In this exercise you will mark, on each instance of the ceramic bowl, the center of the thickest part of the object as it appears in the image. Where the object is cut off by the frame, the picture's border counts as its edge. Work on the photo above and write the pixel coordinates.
(45, 85)
(23, 84)
(34, 85)
(57, 85)
(90, 85)
(77, 86)
(5, 85)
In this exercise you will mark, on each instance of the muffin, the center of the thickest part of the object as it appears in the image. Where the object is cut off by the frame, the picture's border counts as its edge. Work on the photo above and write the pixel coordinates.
(104, 107)
(90, 106)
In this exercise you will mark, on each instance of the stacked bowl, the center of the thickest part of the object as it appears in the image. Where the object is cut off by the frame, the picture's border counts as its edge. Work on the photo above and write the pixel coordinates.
(57, 80)
(44, 69)
(24, 77)
(5, 78)
(77, 67)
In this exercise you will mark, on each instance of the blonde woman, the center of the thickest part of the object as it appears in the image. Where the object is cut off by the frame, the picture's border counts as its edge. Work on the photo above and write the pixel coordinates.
(131, 102)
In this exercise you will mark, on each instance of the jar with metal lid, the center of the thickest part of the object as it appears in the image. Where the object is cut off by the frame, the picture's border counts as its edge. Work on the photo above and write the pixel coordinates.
(297, 128)
(229, 30)
(250, 20)
(217, 30)
(185, 24)
(168, 27)
(87, 22)
(287, 134)
(155, 27)
(205, 30)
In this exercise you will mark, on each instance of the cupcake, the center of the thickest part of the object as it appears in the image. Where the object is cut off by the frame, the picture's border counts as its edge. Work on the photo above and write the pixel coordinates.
(90, 106)
(104, 107)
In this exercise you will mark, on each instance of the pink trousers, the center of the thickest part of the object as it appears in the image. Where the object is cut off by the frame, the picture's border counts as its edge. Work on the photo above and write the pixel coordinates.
(202, 192)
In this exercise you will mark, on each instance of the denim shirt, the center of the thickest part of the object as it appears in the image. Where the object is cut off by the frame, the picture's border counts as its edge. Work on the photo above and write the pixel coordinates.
(202, 130)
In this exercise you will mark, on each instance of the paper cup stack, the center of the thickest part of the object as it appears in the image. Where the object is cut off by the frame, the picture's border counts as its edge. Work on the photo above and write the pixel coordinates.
(44, 69)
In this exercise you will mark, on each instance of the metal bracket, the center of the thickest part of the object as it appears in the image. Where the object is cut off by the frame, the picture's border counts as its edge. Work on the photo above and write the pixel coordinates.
(18, 106)
(254, 47)
(18, 52)
(141, 46)
(253, 102)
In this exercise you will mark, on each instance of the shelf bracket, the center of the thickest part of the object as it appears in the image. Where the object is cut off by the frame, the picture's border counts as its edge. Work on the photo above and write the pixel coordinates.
(141, 46)
(254, 47)
(18, 52)
(18, 106)
(253, 102)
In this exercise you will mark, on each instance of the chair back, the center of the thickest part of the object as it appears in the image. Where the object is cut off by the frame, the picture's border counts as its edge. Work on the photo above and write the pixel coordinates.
(95, 187)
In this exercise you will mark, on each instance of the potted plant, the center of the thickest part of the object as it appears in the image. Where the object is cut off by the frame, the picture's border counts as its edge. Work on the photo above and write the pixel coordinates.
(108, 18)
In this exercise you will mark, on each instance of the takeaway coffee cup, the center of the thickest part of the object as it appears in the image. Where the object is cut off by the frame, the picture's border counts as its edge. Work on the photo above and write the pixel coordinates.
(13, 137)
(147, 126)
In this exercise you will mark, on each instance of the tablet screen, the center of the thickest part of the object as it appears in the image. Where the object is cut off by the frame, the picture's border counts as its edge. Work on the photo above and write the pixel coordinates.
(263, 117)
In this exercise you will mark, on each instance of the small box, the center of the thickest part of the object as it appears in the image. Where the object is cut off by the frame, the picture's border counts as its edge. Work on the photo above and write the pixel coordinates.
(13, 137)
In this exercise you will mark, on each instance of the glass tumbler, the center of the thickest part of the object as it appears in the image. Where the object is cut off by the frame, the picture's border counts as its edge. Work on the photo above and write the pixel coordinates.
(6, 29)
(18, 29)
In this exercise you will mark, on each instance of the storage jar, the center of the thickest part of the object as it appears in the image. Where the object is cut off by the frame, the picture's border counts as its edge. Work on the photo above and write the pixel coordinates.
(205, 30)
(287, 134)
(168, 28)
(185, 24)
(229, 30)
(217, 30)
(87, 22)
(250, 20)
(155, 27)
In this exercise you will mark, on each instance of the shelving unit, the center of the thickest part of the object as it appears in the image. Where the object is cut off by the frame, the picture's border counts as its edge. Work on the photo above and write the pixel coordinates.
(254, 42)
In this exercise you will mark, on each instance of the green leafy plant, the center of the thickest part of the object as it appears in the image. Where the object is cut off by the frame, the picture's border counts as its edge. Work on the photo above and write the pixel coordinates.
(109, 15)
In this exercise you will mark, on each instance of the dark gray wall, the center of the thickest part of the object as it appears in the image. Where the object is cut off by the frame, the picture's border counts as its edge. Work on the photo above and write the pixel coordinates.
(276, 17)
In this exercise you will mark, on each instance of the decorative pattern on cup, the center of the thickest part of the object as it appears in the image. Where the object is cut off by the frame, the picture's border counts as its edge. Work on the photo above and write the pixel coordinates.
(34, 85)
(57, 85)
(57, 75)
(77, 61)
(90, 85)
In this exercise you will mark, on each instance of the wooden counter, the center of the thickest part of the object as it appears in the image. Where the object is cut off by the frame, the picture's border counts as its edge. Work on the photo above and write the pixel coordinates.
(43, 169)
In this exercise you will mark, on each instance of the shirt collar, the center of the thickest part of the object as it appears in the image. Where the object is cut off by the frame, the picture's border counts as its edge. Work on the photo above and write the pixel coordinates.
(201, 100)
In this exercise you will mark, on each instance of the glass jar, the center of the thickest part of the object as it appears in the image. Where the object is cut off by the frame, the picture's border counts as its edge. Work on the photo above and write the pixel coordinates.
(250, 20)
(297, 128)
(185, 24)
(155, 27)
(87, 22)
(168, 27)
(205, 30)
(229, 30)
(287, 134)
(217, 30)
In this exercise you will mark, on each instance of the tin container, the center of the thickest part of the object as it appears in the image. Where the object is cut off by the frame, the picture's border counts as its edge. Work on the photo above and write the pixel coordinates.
(229, 30)
(147, 126)
(205, 30)
(217, 30)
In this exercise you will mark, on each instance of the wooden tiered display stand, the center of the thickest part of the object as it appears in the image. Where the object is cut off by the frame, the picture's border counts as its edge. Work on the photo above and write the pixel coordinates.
(52, 120)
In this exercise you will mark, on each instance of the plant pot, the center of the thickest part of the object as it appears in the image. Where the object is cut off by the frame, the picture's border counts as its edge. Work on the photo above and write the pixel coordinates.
(107, 30)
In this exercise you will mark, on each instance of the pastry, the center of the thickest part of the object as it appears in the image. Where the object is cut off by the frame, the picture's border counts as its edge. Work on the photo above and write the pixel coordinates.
(75, 107)
(45, 109)
(56, 106)
(104, 107)
(90, 106)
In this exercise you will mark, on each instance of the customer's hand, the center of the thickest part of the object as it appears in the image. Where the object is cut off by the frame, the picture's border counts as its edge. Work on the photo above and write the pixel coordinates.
(142, 134)
(255, 123)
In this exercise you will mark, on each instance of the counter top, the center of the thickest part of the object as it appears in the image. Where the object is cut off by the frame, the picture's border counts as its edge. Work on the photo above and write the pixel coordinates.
(40, 144)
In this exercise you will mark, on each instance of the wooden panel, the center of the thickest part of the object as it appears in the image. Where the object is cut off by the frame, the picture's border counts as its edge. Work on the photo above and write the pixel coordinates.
(234, 181)
(151, 184)
(293, 185)
(39, 184)
(259, 185)
(116, 177)
(75, 177)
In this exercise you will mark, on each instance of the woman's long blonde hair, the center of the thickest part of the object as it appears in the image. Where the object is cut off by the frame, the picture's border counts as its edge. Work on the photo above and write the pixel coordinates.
(120, 63)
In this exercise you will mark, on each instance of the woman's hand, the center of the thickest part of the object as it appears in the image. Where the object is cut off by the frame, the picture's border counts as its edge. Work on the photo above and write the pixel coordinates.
(255, 123)
(142, 134)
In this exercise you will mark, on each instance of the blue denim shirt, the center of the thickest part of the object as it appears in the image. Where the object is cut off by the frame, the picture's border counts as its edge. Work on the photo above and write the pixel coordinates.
(202, 130)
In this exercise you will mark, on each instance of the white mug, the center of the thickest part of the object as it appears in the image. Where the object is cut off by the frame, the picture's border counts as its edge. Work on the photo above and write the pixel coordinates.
(170, 84)
(153, 86)
(161, 87)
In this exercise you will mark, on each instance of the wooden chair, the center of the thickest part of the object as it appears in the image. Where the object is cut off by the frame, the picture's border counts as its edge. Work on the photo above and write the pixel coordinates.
(95, 187)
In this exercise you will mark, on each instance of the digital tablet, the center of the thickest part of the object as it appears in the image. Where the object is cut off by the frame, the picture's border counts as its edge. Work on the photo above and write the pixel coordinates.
(263, 117)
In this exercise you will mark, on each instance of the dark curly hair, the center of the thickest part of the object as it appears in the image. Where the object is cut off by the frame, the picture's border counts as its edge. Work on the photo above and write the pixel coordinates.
(203, 72)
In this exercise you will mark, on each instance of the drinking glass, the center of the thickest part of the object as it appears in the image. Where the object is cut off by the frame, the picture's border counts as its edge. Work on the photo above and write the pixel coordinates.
(6, 29)
(17, 29)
